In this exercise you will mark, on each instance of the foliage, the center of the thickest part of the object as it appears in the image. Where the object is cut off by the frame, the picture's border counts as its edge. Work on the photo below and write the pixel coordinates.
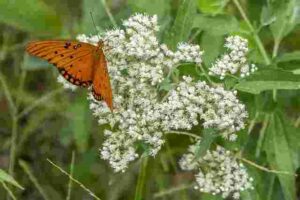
(40, 120)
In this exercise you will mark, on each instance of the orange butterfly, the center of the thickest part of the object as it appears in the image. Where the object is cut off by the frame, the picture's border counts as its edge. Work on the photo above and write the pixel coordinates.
(80, 63)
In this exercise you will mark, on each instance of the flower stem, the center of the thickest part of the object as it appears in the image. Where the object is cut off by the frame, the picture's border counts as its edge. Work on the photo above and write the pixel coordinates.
(141, 179)
(255, 35)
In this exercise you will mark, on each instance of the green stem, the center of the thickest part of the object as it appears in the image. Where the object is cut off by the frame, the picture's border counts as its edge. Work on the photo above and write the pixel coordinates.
(107, 10)
(271, 186)
(255, 35)
(185, 133)
(172, 190)
(261, 136)
(34, 180)
(21, 86)
(276, 47)
(9, 192)
(12, 106)
(13, 142)
(252, 123)
(141, 179)
(73, 179)
(206, 75)
(71, 173)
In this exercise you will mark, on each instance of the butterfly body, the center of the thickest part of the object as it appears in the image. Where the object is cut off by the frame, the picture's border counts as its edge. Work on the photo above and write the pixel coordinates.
(80, 63)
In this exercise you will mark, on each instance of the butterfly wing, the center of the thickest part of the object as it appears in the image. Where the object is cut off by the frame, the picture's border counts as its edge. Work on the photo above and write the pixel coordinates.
(74, 60)
(101, 83)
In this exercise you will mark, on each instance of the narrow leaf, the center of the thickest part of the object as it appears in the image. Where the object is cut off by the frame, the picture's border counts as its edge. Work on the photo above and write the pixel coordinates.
(9, 179)
(292, 56)
(183, 23)
(279, 155)
(217, 25)
(286, 14)
(269, 79)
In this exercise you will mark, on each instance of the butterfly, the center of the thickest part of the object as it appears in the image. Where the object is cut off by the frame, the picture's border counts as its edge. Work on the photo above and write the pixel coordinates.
(80, 63)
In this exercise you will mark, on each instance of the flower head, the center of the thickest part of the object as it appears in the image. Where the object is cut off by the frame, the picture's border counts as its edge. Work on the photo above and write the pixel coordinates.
(217, 172)
(235, 61)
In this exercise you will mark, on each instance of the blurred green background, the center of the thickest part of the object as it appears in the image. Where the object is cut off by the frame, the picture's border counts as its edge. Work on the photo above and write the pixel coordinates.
(45, 121)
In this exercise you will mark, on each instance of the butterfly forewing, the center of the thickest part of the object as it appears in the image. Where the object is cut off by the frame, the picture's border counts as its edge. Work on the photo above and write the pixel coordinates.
(80, 63)
(73, 59)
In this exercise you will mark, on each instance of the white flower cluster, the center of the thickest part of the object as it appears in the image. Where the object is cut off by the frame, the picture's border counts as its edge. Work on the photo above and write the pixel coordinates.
(137, 65)
(218, 172)
(235, 61)
(216, 107)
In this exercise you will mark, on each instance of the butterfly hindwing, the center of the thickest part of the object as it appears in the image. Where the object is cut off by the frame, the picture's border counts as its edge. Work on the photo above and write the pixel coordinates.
(101, 83)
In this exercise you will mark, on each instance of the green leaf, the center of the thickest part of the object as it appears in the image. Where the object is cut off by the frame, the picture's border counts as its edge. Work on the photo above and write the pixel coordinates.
(287, 17)
(217, 25)
(182, 25)
(212, 45)
(292, 56)
(279, 155)
(269, 79)
(9, 179)
(30, 15)
(266, 17)
(293, 138)
(208, 136)
(158, 7)
(212, 7)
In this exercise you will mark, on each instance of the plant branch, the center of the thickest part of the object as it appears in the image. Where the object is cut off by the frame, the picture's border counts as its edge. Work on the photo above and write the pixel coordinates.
(73, 179)
(34, 180)
(264, 168)
(10, 193)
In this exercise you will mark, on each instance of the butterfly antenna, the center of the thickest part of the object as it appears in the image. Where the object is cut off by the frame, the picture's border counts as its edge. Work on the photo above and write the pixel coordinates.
(95, 25)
